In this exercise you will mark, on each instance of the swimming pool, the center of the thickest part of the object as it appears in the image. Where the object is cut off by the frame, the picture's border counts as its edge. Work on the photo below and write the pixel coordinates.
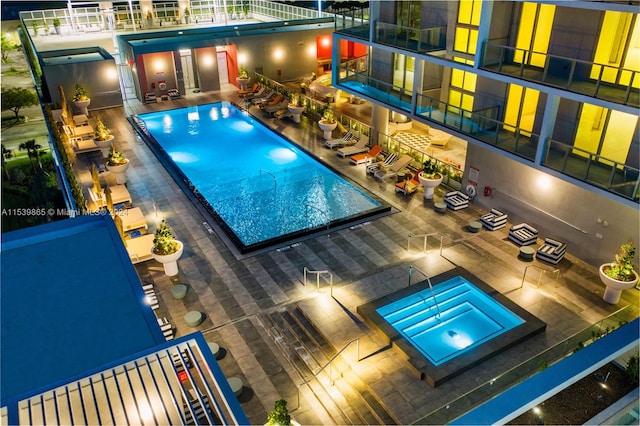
(470, 323)
(453, 318)
(259, 187)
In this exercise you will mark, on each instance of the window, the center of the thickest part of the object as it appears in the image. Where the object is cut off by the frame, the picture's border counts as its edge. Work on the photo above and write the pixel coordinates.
(534, 32)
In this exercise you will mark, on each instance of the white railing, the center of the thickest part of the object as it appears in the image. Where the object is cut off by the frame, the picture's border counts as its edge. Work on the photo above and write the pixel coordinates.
(541, 271)
(306, 271)
(425, 238)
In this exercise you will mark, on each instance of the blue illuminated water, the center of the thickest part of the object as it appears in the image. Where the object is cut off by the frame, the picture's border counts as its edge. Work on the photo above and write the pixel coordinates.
(261, 186)
(468, 318)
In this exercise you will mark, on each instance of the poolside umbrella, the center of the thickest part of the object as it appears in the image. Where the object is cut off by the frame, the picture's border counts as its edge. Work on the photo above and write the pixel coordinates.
(118, 220)
(109, 200)
(97, 188)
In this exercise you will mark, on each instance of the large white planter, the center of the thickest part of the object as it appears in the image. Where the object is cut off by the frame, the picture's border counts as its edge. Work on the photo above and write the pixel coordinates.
(243, 82)
(104, 145)
(614, 287)
(170, 261)
(295, 111)
(429, 185)
(119, 171)
(327, 128)
(82, 106)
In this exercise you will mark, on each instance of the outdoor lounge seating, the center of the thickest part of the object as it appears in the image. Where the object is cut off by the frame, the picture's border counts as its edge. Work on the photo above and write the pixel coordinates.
(349, 138)
(523, 234)
(260, 100)
(166, 328)
(257, 93)
(551, 251)
(395, 168)
(174, 94)
(133, 219)
(150, 97)
(276, 107)
(494, 220)
(139, 248)
(409, 186)
(456, 200)
(438, 137)
(363, 157)
(249, 91)
(372, 168)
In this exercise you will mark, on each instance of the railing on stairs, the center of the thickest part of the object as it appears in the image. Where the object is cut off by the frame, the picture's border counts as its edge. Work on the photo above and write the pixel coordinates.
(329, 364)
(306, 271)
(541, 271)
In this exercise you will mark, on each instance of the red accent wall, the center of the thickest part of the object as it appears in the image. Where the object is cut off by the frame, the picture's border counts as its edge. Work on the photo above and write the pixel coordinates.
(232, 62)
(324, 46)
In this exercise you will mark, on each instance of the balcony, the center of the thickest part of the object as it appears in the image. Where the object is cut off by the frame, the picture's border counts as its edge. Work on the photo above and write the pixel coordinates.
(354, 23)
(360, 83)
(412, 39)
(599, 171)
(565, 73)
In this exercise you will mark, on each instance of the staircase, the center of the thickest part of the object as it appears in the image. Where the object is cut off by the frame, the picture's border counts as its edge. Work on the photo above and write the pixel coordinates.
(350, 400)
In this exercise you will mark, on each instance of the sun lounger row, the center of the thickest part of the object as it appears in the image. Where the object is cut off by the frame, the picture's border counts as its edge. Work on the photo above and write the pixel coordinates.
(166, 328)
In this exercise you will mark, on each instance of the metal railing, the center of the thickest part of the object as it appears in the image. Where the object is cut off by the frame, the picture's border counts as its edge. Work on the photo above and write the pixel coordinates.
(329, 364)
(577, 75)
(426, 237)
(418, 40)
(306, 271)
(541, 271)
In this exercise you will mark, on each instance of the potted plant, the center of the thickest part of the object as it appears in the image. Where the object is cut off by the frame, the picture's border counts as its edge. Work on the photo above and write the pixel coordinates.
(102, 137)
(117, 164)
(56, 25)
(243, 78)
(46, 27)
(619, 274)
(149, 19)
(81, 99)
(327, 123)
(295, 107)
(279, 415)
(187, 15)
(430, 177)
(36, 28)
(166, 249)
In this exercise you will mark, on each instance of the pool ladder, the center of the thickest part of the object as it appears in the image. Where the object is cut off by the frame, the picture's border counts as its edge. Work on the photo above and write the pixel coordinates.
(433, 294)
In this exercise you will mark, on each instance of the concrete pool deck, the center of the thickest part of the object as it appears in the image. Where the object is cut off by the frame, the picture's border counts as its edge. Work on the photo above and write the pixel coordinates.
(366, 262)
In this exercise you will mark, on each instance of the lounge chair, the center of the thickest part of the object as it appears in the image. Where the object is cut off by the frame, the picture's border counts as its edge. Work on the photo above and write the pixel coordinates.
(150, 97)
(260, 100)
(139, 248)
(258, 92)
(174, 94)
(275, 100)
(551, 251)
(393, 170)
(349, 138)
(253, 89)
(409, 186)
(359, 147)
(523, 234)
(167, 329)
(365, 157)
(276, 107)
(372, 168)
(494, 220)
(133, 219)
(282, 113)
(456, 200)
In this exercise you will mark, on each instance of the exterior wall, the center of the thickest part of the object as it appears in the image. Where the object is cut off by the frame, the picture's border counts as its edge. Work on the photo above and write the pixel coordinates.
(517, 191)
(100, 78)
(207, 68)
(159, 66)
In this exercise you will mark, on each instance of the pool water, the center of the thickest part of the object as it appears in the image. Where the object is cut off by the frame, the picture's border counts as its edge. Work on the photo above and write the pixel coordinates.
(260, 187)
(463, 318)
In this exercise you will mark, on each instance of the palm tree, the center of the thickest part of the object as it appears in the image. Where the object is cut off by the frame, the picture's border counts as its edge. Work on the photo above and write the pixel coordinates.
(32, 151)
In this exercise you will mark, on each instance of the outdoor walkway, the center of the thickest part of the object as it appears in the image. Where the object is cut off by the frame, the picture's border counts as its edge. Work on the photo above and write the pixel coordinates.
(367, 261)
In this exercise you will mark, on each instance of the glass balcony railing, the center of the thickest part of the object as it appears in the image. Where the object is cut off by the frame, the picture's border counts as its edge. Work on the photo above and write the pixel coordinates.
(599, 171)
(354, 23)
(482, 125)
(565, 73)
(412, 39)
(361, 83)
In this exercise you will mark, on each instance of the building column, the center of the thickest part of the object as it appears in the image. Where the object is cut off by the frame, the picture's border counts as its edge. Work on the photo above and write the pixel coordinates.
(379, 122)
(547, 126)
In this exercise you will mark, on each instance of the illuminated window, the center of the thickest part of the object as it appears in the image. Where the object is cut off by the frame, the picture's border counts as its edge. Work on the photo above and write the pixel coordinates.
(466, 37)
(616, 28)
(403, 70)
(462, 89)
(520, 112)
(605, 132)
(534, 32)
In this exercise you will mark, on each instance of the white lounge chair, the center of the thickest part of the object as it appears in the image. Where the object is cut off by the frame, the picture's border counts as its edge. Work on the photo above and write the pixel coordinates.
(360, 146)
(166, 327)
(132, 219)
(348, 139)
(139, 248)
(394, 169)
(372, 168)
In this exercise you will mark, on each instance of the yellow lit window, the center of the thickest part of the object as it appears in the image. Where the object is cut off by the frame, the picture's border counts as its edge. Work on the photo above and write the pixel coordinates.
(610, 53)
(520, 111)
(534, 32)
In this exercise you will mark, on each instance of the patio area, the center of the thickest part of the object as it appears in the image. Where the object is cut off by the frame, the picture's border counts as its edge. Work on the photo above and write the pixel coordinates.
(244, 300)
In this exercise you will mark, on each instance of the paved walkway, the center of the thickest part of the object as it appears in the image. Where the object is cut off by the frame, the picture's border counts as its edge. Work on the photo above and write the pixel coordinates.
(367, 261)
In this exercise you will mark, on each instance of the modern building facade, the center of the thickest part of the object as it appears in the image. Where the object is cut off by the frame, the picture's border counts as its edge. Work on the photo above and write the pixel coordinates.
(546, 94)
